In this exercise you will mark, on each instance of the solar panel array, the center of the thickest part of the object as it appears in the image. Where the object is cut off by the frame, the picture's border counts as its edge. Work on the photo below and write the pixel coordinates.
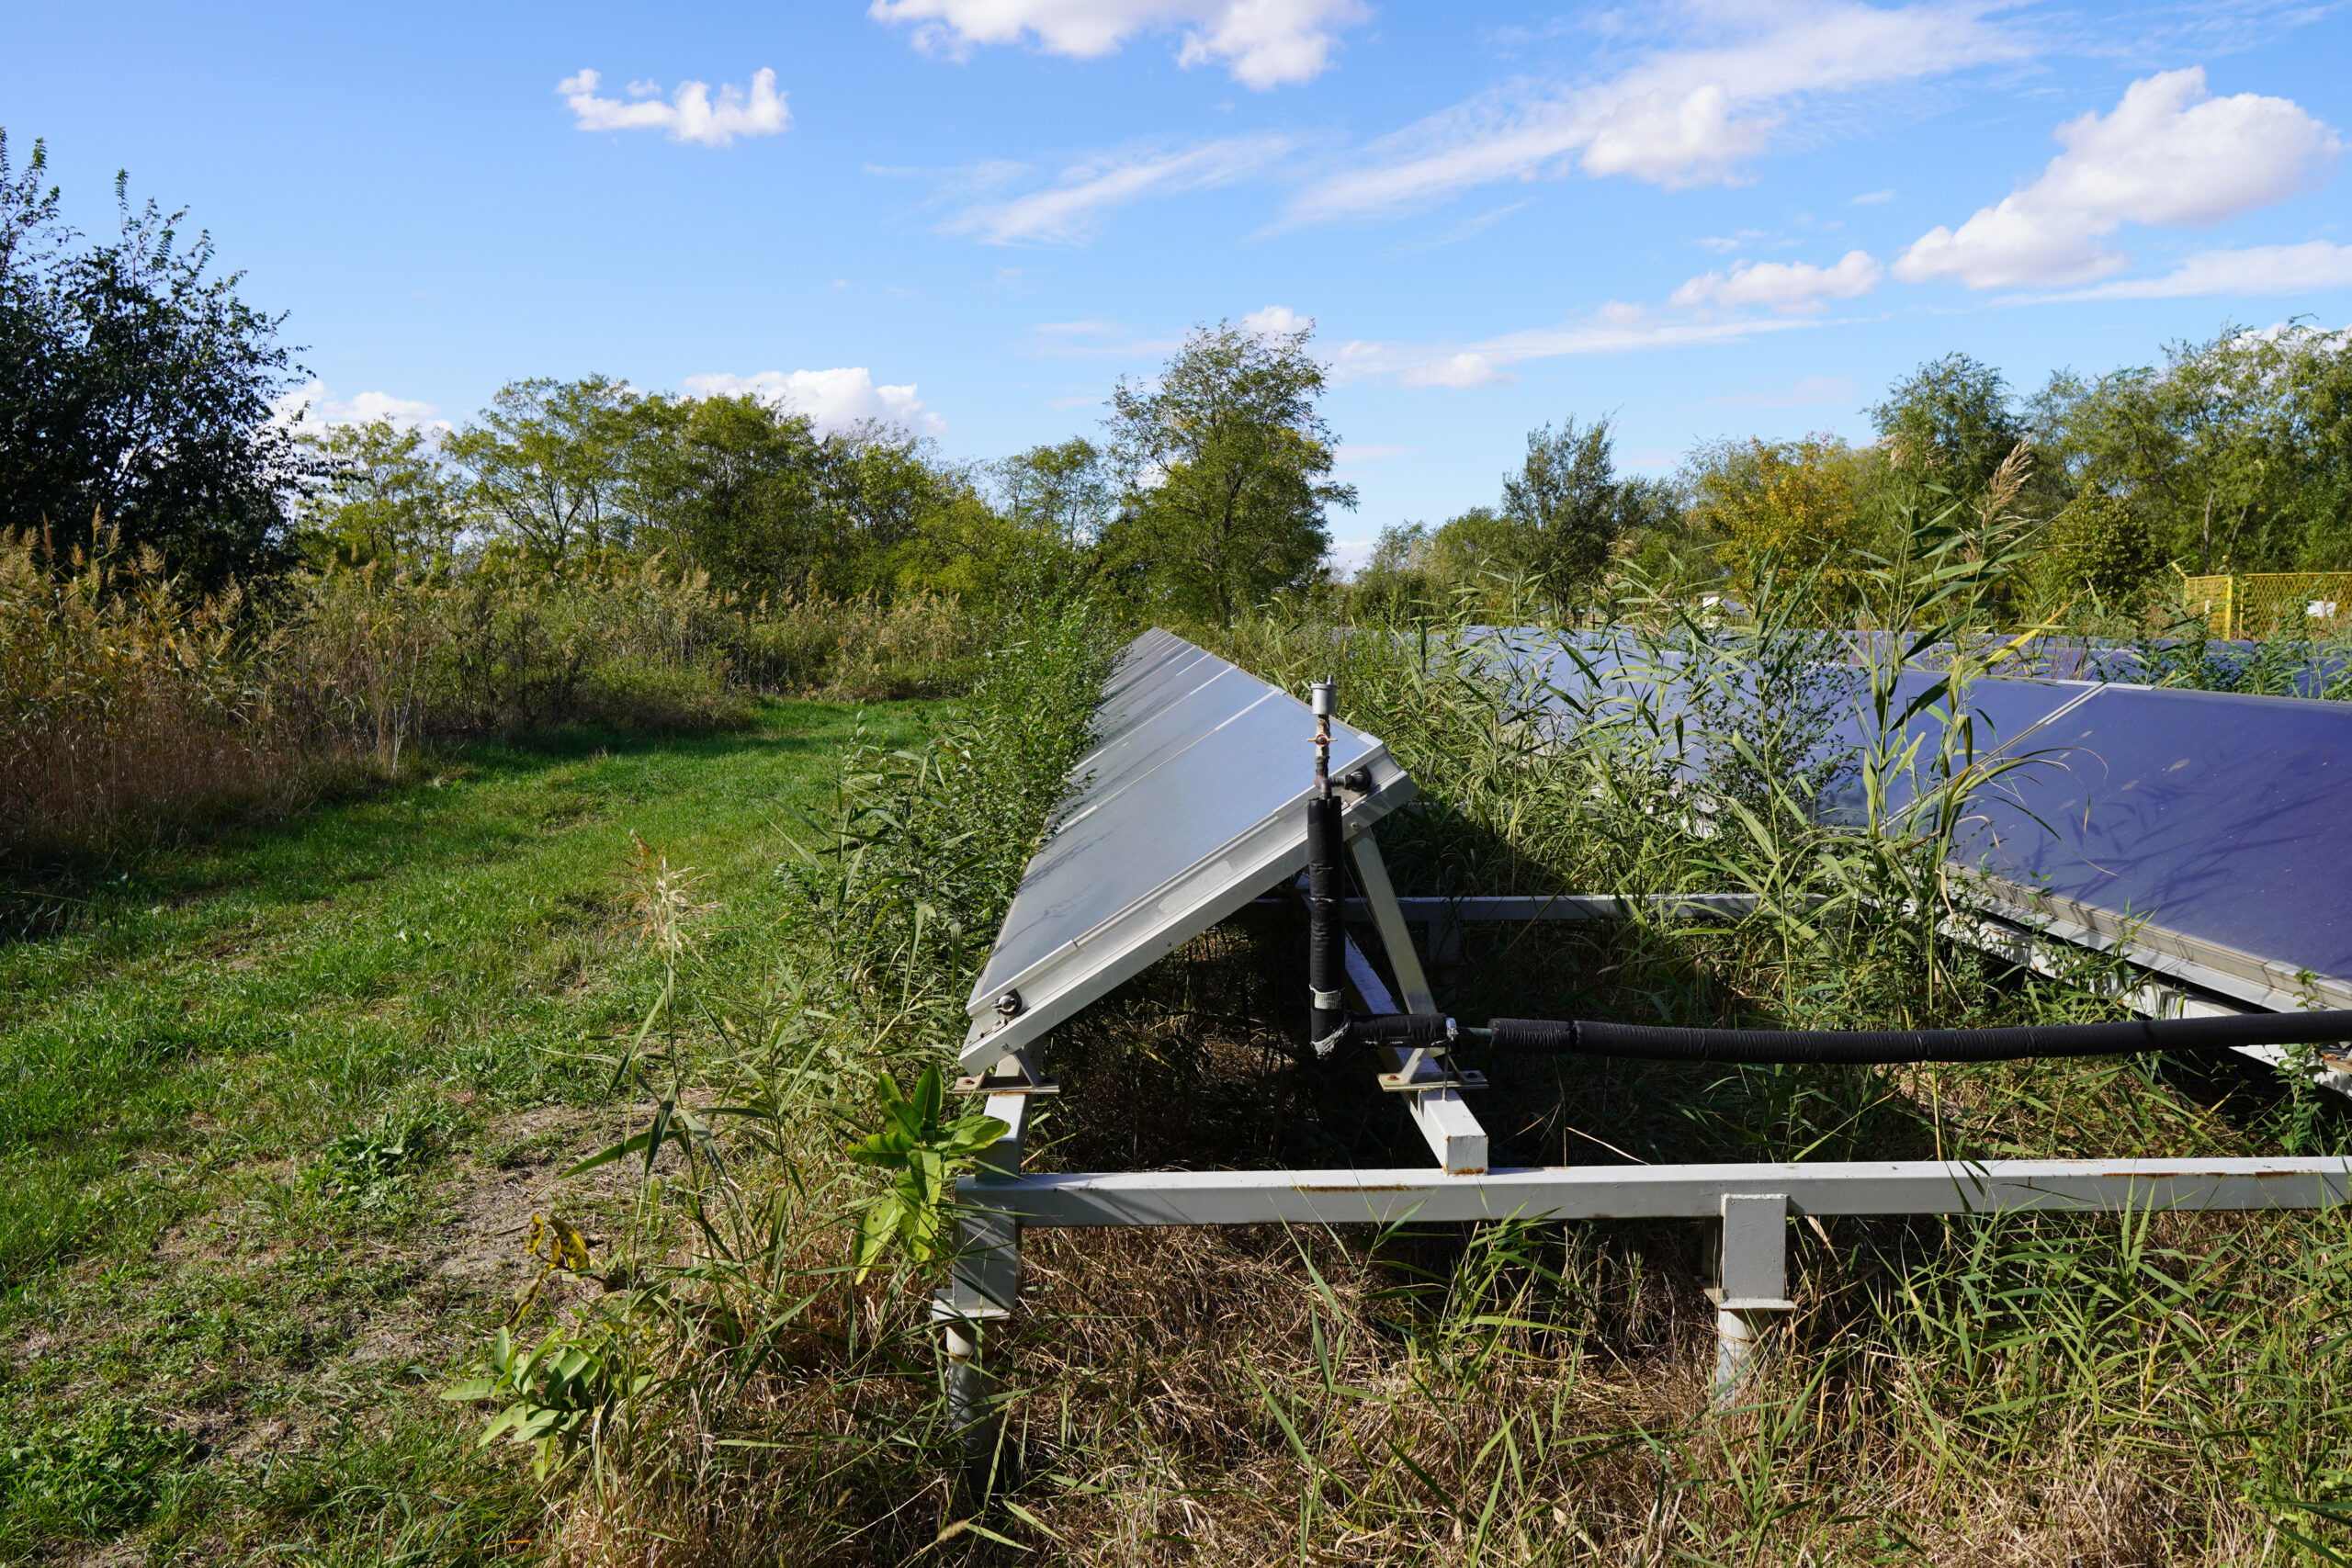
(1192, 803)
(2201, 826)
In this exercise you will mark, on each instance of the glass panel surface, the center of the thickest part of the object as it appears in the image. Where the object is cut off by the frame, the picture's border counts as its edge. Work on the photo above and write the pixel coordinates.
(1198, 752)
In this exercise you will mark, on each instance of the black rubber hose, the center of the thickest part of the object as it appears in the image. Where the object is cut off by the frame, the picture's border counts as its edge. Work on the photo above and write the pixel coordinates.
(1327, 936)
(1410, 1030)
(1768, 1047)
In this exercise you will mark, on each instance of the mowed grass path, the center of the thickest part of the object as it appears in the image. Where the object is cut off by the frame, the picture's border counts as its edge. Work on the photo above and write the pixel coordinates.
(257, 1095)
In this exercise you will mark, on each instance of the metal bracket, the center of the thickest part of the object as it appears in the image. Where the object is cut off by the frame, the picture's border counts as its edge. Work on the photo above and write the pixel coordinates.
(1027, 1081)
(1407, 1078)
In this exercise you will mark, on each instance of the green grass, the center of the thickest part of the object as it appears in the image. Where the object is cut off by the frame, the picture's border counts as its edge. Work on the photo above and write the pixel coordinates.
(267, 1103)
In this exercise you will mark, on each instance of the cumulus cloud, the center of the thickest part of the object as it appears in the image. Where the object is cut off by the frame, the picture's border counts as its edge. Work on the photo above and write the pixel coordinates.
(2169, 153)
(1066, 211)
(833, 400)
(1277, 320)
(310, 407)
(690, 114)
(1782, 285)
(1264, 43)
(2256, 269)
(1690, 113)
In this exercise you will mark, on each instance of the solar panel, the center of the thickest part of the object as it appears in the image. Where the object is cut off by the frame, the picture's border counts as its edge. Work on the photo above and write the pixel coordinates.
(2203, 828)
(2219, 819)
(1192, 803)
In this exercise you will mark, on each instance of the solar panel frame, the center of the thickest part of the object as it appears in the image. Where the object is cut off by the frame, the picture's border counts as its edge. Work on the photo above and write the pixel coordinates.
(1180, 814)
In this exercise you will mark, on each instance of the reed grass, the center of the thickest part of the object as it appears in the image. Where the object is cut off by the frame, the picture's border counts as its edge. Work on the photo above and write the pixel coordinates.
(133, 708)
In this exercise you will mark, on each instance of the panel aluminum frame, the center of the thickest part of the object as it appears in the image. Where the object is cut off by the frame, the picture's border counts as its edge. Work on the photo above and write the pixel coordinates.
(1117, 885)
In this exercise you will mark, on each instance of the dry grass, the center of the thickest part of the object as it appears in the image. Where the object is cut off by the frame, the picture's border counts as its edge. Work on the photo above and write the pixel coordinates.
(130, 708)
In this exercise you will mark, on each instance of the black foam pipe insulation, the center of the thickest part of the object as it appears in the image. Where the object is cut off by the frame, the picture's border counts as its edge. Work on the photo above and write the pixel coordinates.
(1762, 1047)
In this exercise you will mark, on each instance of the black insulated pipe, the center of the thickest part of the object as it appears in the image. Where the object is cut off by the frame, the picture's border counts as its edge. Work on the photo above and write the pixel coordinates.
(1327, 938)
(1406, 1030)
(1764, 1047)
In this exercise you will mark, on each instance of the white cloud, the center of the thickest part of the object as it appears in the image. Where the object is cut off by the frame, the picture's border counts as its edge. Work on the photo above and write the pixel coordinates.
(2256, 269)
(1264, 43)
(1351, 452)
(689, 116)
(1813, 392)
(833, 400)
(1782, 285)
(2170, 153)
(1615, 328)
(309, 408)
(1065, 212)
(1277, 320)
(1687, 113)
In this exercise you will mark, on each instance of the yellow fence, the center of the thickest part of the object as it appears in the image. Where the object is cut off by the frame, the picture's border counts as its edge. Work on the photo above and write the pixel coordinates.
(2272, 604)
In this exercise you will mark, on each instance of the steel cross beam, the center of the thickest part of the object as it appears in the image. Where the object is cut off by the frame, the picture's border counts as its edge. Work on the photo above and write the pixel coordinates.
(1751, 1203)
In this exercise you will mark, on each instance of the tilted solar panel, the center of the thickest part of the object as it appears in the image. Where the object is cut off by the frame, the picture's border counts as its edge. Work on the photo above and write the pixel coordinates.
(1192, 803)
(2219, 818)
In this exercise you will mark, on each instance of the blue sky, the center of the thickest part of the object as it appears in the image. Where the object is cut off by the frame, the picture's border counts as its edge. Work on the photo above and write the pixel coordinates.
(973, 216)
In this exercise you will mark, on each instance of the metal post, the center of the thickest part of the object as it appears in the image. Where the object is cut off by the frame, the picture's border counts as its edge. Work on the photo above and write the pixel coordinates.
(1752, 1287)
(983, 1286)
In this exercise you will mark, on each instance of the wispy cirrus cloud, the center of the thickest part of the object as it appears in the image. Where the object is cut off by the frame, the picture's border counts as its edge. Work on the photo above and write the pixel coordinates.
(1614, 328)
(1264, 43)
(1689, 112)
(1066, 211)
(689, 115)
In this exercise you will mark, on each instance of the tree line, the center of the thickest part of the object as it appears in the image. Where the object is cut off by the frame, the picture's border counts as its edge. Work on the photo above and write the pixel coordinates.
(139, 402)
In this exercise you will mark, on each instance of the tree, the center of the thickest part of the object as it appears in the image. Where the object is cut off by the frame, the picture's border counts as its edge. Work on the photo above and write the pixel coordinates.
(548, 465)
(1064, 490)
(1785, 508)
(1223, 463)
(136, 391)
(2097, 544)
(1954, 418)
(1568, 509)
(734, 486)
(386, 497)
(2236, 453)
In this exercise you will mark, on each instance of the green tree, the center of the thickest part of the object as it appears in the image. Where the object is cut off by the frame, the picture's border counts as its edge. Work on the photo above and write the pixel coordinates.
(2099, 546)
(1953, 418)
(1065, 490)
(2236, 453)
(733, 486)
(1788, 508)
(1567, 509)
(547, 463)
(1224, 463)
(386, 497)
(136, 390)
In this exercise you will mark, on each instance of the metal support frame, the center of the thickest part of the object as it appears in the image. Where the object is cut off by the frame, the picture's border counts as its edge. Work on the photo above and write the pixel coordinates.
(1752, 1203)
(1452, 1132)
(984, 1285)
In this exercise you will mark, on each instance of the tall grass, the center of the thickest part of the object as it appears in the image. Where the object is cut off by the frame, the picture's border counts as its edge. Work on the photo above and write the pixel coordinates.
(2134, 1389)
(131, 706)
